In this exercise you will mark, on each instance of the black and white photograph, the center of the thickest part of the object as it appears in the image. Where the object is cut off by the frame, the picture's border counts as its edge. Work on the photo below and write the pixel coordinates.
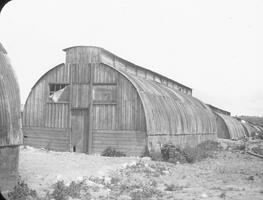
(131, 100)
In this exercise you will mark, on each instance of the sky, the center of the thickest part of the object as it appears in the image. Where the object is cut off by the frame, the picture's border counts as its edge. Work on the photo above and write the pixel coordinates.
(212, 46)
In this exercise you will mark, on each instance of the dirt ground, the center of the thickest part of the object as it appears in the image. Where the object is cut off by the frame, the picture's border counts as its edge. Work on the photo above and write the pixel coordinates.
(229, 175)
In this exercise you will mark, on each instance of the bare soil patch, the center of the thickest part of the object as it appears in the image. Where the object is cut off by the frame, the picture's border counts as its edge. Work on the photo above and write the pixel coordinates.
(230, 174)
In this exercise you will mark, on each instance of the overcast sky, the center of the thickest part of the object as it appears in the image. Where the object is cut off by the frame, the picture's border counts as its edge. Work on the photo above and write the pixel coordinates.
(212, 46)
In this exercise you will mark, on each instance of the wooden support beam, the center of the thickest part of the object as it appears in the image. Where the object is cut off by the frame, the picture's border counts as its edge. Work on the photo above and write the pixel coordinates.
(90, 116)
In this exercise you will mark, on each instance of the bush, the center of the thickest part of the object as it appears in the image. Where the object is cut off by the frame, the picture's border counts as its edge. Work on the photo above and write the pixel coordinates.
(167, 150)
(259, 136)
(74, 189)
(63, 192)
(172, 187)
(22, 192)
(112, 152)
(239, 147)
(60, 191)
(203, 150)
(174, 154)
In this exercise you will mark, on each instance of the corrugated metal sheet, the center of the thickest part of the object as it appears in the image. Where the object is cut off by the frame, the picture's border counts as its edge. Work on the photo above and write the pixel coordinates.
(250, 130)
(170, 112)
(235, 128)
(258, 128)
(10, 116)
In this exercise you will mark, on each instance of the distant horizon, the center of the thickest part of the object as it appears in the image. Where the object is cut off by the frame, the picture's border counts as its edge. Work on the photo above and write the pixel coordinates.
(213, 47)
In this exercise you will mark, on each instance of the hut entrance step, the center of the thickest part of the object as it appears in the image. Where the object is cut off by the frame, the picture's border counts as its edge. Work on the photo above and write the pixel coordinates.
(80, 130)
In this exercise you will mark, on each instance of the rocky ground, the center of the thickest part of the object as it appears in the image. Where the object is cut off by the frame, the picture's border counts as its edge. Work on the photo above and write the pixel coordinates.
(230, 174)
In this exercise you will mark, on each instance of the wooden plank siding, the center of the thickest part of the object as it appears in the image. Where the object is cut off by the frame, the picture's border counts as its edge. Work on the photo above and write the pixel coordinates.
(44, 120)
(56, 115)
(39, 110)
(130, 142)
(79, 121)
(50, 138)
(80, 95)
(122, 110)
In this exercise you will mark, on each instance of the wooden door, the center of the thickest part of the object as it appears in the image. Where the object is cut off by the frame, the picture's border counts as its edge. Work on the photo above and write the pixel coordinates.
(80, 130)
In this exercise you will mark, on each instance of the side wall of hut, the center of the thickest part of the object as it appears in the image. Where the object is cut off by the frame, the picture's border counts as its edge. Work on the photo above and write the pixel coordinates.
(173, 116)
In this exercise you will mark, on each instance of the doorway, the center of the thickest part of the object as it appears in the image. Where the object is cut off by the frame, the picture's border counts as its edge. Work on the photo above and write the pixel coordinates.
(80, 130)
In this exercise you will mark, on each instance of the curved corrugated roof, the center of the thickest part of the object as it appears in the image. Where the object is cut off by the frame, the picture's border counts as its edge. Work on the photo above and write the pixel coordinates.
(170, 112)
(257, 128)
(10, 116)
(235, 128)
(249, 129)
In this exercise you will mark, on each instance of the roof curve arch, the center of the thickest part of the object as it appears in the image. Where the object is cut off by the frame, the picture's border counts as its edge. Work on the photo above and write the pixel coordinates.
(170, 112)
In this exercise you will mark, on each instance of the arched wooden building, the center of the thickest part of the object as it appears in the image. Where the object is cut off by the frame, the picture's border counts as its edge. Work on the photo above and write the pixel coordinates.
(10, 122)
(252, 129)
(228, 127)
(235, 130)
(97, 99)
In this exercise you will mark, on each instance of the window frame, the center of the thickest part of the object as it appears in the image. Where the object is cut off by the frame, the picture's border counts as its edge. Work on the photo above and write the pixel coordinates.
(55, 89)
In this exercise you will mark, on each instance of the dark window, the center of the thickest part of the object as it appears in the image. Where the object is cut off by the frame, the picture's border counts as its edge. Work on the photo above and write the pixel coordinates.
(59, 92)
(54, 87)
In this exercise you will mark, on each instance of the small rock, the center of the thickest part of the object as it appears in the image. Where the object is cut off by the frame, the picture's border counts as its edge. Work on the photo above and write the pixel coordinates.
(132, 163)
(222, 195)
(204, 195)
(107, 180)
(224, 146)
(251, 178)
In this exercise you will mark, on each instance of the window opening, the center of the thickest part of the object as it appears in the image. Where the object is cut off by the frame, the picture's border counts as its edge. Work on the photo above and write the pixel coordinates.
(58, 92)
